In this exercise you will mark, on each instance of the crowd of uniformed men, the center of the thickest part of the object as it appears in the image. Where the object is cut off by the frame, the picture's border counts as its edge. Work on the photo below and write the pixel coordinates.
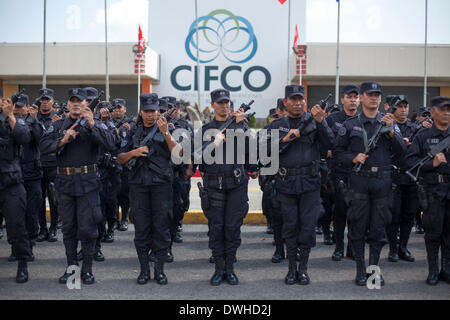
(350, 165)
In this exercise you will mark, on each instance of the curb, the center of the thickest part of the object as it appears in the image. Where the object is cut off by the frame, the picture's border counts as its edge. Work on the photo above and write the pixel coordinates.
(196, 216)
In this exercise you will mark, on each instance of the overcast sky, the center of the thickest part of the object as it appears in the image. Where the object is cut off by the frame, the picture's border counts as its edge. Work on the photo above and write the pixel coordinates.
(372, 21)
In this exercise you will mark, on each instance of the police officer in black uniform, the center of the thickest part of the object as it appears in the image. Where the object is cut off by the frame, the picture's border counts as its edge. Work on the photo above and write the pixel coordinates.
(339, 173)
(123, 123)
(298, 180)
(46, 117)
(182, 173)
(149, 146)
(370, 179)
(13, 133)
(31, 167)
(405, 201)
(77, 140)
(226, 185)
(435, 174)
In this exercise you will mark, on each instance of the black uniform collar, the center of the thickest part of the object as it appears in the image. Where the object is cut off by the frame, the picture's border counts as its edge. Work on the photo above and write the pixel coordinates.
(365, 119)
(436, 132)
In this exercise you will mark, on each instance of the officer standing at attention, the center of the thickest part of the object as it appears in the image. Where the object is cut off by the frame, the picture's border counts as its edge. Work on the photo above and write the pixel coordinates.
(370, 179)
(226, 185)
(77, 140)
(123, 123)
(405, 200)
(339, 172)
(31, 167)
(436, 177)
(13, 132)
(148, 148)
(298, 179)
(47, 116)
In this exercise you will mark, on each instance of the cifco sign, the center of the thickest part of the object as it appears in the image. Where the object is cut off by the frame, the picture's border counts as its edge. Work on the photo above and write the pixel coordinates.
(226, 37)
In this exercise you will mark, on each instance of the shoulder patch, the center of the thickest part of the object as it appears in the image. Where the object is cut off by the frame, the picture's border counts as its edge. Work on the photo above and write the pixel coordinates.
(50, 129)
(20, 121)
(342, 131)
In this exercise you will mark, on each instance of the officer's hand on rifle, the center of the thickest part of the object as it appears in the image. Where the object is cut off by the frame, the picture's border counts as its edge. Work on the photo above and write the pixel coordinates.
(291, 135)
(407, 141)
(428, 123)
(33, 111)
(55, 118)
(318, 113)
(140, 152)
(240, 115)
(126, 126)
(87, 114)
(219, 138)
(70, 135)
(163, 126)
(360, 158)
(8, 107)
(439, 159)
(189, 172)
(388, 119)
(104, 114)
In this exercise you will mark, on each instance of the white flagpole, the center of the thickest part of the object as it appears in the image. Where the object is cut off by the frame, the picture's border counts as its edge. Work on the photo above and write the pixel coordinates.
(198, 55)
(288, 44)
(44, 72)
(106, 54)
(425, 82)
(336, 95)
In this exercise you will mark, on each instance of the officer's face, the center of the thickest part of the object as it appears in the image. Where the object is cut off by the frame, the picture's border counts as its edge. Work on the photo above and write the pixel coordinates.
(350, 102)
(295, 105)
(222, 108)
(441, 115)
(46, 105)
(281, 113)
(371, 100)
(20, 111)
(119, 112)
(149, 117)
(75, 106)
(401, 113)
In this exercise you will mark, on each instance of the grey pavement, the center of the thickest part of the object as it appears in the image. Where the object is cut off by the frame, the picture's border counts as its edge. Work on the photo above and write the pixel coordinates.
(190, 273)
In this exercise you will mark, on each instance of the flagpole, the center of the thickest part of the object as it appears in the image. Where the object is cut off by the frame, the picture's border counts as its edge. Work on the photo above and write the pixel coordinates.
(425, 81)
(336, 95)
(106, 54)
(197, 80)
(288, 40)
(44, 72)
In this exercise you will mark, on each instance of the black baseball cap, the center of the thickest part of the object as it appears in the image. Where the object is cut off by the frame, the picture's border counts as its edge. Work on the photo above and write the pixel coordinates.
(80, 93)
(171, 101)
(149, 101)
(219, 95)
(163, 105)
(91, 93)
(391, 99)
(370, 87)
(423, 111)
(350, 88)
(104, 104)
(440, 101)
(333, 108)
(119, 103)
(273, 112)
(400, 99)
(46, 93)
(22, 100)
(294, 90)
(280, 104)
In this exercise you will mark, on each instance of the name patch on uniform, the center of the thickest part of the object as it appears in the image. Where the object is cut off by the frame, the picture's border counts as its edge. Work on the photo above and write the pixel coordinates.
(357, 128)
(433, 141)
(283, 129)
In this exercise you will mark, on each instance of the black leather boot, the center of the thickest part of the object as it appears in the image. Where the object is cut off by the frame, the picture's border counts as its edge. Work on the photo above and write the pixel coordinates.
(433, 263)
(43, 235)
(374, 260)
(123, 225)
(229, 270)
(22, 272)
(219, 273)
(98, 256)
(144, 276)
(52, 234)
(169, 256)
(403, 253)
(70, 262)
(302, 276)
(327, 236)
(292, 276)
(86, 269)
(279, 255)
(393, 251)
(160, 277)
(178, 237)
(12, 257)
(358, 249)
(445, 265)
(109, 236)
(338, 253)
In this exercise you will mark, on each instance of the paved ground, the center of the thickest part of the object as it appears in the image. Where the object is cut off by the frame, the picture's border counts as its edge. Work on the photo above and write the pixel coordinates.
(190, 273)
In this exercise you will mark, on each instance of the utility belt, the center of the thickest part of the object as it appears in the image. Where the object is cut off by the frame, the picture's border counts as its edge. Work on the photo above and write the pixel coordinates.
(436, 178)
(68, 171)
(311, 170)
(375, 172)
(237, 175)
(31, 165)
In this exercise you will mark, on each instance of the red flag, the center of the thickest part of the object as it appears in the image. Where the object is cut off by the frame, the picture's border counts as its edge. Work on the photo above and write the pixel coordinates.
(295, 38)
(141, 41)
(282, 1)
